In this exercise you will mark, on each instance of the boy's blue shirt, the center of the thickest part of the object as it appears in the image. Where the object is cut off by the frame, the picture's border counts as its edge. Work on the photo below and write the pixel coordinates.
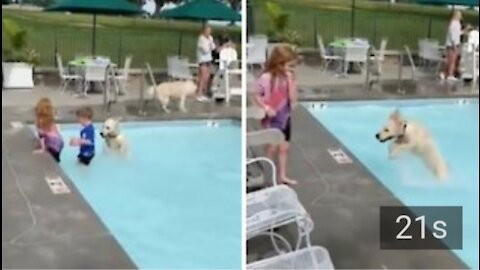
(88, 133)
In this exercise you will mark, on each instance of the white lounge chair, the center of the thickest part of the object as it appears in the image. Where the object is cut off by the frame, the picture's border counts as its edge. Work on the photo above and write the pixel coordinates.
(308, 258)
(65, 78)
(275, 207)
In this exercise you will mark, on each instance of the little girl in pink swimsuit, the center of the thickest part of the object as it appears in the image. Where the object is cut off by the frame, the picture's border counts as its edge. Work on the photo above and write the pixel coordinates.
(276, 93)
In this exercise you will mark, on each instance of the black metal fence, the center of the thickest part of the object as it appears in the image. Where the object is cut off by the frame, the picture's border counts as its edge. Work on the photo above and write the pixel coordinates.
(399, 28)
(145, 47)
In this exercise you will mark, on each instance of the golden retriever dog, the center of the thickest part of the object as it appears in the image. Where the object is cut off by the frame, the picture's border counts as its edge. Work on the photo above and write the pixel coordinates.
(115, 141)
(176, 89)
(407, 136)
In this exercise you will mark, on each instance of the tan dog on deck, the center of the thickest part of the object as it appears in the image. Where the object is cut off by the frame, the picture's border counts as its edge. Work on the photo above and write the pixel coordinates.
(177, 89)
(415, 138)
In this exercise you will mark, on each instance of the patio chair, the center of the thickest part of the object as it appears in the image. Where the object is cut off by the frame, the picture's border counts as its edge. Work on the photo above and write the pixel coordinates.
(423, 45)
(95, 73)
(358, 55)
(255, 169)
(432, 57)
(275, 207)
(257, 51)
(178, 68)
(228, 66)
(377, 59)
(315, 257)
(327, 59)
(469, 66)
(379, 54)
(65, 78)
(123, 76)
(415, 70)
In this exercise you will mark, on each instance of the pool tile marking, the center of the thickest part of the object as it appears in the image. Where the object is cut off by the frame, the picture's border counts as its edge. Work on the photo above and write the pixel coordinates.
(57, 185)
(339, 156)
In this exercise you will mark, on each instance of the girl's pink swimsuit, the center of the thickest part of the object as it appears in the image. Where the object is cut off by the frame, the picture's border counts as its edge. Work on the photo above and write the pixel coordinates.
(277, 97)
(53, 140)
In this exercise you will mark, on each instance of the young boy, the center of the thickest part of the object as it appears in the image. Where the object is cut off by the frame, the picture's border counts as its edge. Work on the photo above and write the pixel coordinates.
(86, 142)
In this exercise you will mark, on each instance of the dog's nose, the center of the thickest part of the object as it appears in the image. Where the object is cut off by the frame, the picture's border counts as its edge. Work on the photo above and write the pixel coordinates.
(377, 136)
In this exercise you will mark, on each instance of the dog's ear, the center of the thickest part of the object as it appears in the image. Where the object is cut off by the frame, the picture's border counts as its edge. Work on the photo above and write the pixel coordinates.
(118, 119)
(396, 116)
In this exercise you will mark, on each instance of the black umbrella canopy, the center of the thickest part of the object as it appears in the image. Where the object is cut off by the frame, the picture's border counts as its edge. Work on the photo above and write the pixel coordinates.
(105, 7)
(202, 10)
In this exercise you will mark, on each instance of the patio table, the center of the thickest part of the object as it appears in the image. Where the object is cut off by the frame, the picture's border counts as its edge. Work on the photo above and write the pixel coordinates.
(338, 46)
(342, 43)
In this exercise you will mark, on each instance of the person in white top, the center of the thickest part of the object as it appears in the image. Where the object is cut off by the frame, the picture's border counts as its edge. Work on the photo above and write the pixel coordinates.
(453, 43)
(205, 47)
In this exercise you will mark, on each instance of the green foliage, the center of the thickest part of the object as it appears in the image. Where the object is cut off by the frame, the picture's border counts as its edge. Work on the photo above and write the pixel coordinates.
(280, 21)
(16, 49)
(291, 37)
(278, 17)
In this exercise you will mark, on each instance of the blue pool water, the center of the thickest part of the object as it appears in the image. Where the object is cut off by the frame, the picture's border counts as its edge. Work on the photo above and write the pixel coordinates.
(176, 201)
(455, 128)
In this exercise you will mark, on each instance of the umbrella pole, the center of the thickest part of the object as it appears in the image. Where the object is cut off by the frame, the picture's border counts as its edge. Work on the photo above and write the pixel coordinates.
(94, 34)
(352, 19)
(180, 44)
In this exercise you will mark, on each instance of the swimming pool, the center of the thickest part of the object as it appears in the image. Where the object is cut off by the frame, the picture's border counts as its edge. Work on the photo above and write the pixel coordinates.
(454, 125)
(176, 201)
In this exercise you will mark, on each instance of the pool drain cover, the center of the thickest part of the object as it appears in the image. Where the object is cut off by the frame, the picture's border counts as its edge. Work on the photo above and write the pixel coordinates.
(57, 185)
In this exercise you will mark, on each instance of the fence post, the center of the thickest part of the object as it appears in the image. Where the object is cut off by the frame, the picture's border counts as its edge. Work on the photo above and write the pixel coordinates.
(55, 48)
(352, 20)
(141, 105)
(429, 27)
(400, 73)
(120, 48)
(180, 44)
(367, 75)
(315, 31)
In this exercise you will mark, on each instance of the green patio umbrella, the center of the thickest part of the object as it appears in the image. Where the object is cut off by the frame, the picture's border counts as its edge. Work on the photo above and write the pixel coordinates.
(202, 10)
(95, 7)
(470, 3)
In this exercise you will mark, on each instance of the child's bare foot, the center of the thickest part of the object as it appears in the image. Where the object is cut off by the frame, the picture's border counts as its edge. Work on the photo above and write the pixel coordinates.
(287, 181)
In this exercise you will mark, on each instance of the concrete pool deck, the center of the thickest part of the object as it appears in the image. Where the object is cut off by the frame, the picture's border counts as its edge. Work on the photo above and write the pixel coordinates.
(344, 199)
(41, 230)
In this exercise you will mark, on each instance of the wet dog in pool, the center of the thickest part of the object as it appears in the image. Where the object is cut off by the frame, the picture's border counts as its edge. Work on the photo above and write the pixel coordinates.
(114, 140)
(408, 136)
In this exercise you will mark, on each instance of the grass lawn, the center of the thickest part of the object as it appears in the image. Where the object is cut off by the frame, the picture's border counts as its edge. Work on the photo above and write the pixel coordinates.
(402, 24)
(71, 35)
